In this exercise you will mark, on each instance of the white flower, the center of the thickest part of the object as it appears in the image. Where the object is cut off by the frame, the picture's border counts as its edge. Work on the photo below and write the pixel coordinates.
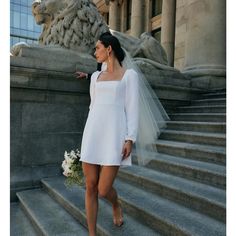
(67, 169)
(72, 169)
(63, 164)
(73, 155)
(68, 158)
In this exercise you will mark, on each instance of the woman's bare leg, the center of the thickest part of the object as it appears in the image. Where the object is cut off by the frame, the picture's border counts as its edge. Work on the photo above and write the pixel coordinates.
(106, 190)
(91, 173)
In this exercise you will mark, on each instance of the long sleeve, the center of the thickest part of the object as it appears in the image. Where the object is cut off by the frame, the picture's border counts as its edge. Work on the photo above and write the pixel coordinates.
(99, 68)
(132, 105)
(92, 88)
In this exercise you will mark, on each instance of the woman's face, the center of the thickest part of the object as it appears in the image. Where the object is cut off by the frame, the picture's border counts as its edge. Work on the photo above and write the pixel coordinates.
(101, 53)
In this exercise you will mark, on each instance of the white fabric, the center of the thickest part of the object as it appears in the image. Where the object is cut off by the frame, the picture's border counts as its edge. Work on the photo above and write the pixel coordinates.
(112, 119)
(152, 117)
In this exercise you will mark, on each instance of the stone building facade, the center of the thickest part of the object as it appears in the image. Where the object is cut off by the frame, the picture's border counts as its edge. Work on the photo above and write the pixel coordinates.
(193, 32)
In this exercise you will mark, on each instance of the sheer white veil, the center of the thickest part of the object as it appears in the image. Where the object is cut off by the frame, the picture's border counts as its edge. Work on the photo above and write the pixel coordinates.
(152, 116)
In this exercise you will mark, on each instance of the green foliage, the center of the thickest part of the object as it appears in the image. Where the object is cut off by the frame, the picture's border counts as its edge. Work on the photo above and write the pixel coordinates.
(72, 167)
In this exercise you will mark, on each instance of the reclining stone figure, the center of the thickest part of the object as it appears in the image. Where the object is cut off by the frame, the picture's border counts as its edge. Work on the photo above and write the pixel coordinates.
(77, 24)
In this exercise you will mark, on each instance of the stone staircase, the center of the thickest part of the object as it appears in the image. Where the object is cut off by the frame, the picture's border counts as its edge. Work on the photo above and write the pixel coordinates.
(180, 192)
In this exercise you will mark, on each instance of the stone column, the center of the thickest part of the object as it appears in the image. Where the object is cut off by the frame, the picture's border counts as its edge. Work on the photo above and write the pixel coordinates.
(114, 15)
(168, 29)
(136, 18)
(205, 52)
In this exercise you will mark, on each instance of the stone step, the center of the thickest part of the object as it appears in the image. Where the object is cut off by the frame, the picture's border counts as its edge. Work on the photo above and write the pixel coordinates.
(73, 201)
(211, 117)
(213, 127)
(208, 153)
(200, 197)
(202, 109)
(203, 172)
(147, 210)
(47, 216)
(174, 92)
(168, 217)
(213, 101)
(20, 225)
(214, 95)
(194, 137)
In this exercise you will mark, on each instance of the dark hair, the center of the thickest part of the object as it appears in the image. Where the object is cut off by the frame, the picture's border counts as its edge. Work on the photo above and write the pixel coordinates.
(107, 39)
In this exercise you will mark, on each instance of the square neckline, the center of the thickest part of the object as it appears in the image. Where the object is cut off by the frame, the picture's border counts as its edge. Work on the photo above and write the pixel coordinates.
(110, 80)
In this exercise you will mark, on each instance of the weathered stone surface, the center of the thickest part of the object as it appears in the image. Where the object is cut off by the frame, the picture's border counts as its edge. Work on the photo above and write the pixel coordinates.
(20, 224)
(206, 43)
(16, 119)
(47, 148)
(77, 25)
(207, 76)
(16, 150)
(74, 24)
(48, 113)
(168, 19)
(38, 117)
(42, 210)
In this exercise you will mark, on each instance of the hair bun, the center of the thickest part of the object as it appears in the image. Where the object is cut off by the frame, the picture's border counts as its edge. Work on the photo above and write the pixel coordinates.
(108, 39)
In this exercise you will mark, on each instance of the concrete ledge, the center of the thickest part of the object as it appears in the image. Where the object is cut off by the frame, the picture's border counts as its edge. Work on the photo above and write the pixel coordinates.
(208, 82)
(170, 92)
(47, 80)
(28, 177)
(54, 58)
(208, 77)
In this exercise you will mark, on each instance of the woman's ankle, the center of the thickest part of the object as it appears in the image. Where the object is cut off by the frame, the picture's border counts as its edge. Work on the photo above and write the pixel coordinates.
(93, 233)
(116, 204)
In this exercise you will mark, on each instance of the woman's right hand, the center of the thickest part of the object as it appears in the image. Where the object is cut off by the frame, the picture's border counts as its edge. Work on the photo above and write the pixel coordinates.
(127, 148)
(80, 75)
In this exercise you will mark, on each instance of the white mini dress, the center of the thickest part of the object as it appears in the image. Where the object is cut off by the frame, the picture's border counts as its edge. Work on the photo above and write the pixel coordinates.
(112, 119)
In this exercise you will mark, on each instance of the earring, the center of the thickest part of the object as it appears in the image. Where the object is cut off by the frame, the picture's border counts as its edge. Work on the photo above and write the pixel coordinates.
(109, 59)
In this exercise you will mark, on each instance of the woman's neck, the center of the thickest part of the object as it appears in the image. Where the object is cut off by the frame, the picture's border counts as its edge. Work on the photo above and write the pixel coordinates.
(112, 65)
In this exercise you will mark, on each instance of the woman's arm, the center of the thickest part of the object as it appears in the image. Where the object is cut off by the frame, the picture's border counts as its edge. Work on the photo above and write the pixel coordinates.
(131, 105)
(92, 88)
(131, 111)
(83, 75)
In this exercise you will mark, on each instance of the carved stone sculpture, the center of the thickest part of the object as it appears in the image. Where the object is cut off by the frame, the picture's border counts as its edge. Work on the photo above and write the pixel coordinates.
(72, 24)
(77, 24)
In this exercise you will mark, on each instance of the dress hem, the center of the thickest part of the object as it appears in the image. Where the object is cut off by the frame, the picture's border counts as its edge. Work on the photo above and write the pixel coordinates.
(102, 164)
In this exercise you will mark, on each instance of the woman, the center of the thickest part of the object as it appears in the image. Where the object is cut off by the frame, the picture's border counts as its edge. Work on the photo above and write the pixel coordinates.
(110, 130)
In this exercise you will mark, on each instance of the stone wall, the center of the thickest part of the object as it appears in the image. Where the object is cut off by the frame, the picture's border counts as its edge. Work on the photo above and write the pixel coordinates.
(48, 113)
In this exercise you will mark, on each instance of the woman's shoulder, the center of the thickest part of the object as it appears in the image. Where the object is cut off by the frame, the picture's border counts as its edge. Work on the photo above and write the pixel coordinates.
(95, 75)
(132, 73)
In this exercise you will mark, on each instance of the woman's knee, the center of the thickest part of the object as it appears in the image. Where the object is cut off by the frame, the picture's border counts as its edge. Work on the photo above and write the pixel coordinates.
(103, 192)
(92, 186)
(91, 173)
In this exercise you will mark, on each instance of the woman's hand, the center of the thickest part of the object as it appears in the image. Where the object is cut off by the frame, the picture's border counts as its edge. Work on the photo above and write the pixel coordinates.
(80, 75)
(127, 148)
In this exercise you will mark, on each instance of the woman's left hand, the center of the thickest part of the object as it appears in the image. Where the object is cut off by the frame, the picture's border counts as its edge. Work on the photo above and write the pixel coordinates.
(127, 148)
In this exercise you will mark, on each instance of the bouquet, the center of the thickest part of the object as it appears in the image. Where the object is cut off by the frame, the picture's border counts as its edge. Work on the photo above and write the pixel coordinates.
(72, 168)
